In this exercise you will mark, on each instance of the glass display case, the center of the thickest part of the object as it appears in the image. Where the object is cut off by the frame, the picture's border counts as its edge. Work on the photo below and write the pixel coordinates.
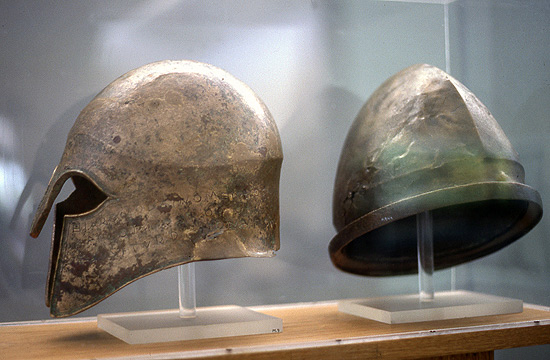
(314, 64)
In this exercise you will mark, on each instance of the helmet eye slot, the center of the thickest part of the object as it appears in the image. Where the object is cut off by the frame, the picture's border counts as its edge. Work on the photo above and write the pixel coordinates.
(86, 197)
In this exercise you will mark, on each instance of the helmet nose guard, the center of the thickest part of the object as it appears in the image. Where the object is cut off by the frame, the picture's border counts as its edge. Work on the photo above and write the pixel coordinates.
(173, 162)
(424, 142)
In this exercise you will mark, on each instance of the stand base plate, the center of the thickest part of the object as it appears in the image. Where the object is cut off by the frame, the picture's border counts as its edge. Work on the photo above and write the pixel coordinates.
(166, 325)
(445, 305)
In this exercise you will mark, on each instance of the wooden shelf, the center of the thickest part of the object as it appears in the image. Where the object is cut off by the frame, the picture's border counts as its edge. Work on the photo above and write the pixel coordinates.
(313, 330)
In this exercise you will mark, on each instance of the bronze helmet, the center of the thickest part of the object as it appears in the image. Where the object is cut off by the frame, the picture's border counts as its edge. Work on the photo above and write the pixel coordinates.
(424, 142)
(173, 162)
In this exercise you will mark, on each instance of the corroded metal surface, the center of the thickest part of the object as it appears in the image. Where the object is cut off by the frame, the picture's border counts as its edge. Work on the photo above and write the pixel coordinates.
(176, 161)
(424, 142)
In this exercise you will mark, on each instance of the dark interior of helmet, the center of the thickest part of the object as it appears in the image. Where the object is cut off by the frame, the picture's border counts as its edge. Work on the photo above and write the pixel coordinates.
(86, 197)
(460, 233)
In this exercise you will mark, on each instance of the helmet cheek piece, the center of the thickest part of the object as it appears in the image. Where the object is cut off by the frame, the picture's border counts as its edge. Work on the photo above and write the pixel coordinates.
(86, 198)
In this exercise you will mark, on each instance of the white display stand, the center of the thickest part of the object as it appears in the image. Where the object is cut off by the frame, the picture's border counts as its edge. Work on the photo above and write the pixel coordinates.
(167, 325)
(187, 323)
(427, 305)
(400, 309)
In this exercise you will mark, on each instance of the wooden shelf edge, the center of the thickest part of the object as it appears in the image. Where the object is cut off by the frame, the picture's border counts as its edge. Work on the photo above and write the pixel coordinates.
(310, 330)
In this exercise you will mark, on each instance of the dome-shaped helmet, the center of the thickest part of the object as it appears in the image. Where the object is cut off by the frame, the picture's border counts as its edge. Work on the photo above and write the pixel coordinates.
(424, 142)
(173, 162)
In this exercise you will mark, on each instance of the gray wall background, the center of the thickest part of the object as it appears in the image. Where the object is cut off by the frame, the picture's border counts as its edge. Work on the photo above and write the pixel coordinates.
(314, 63)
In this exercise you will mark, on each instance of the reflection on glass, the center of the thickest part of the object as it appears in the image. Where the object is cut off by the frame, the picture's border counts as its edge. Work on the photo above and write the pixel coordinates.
(12, 178)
